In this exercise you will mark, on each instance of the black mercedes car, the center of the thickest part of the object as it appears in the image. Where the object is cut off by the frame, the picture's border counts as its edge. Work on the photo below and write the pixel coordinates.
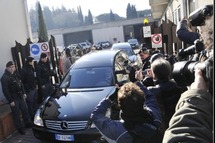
(65, 115)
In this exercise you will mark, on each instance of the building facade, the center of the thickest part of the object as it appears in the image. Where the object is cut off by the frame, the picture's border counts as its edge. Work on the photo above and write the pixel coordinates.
(170, 12)
(175, 10)
(15, 26)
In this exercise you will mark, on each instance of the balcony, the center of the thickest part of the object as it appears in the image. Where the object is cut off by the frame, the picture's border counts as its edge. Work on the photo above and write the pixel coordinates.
(158, 7)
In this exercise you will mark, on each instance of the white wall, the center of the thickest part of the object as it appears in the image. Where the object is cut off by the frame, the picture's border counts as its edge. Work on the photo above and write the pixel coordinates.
(14, 27)
(107, 34)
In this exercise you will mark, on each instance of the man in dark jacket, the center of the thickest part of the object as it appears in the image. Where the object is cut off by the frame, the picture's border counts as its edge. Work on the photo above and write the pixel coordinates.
(140, 115)
(43, 77)
(145, 57)
(184, 33)
(14, 92)
(28, 76)
(166, 90)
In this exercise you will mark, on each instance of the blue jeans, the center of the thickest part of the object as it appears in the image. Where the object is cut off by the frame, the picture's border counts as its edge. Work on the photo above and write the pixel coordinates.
(31, 101)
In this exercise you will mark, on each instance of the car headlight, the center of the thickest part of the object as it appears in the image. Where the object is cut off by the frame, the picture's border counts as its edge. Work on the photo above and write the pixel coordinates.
(38, 120)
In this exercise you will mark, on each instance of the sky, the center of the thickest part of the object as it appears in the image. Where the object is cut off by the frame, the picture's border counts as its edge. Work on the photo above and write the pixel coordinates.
(96, 7)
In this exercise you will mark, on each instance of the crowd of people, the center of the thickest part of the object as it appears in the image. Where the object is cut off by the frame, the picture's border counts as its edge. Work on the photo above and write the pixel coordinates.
(21, 89)
(152, 108)
(26, 88)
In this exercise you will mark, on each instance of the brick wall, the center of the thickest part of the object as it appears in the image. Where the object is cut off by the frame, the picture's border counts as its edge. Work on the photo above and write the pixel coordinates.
(6, 122)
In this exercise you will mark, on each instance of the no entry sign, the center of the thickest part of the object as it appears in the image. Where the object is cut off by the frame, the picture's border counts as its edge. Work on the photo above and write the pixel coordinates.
(45, 47)
(156, 40)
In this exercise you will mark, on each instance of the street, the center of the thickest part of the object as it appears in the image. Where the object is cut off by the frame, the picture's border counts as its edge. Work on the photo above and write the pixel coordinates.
(27, 138)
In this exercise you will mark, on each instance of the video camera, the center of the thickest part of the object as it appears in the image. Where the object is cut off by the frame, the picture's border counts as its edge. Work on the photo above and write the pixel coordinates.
(197, 17)
(183, 71)
(196, 48)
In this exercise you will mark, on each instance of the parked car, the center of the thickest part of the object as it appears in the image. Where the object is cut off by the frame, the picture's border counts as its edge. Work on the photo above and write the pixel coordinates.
(134, 43)
(103, 45)
(73, 48)
(65, 114)
(134, 59)
(85, 45)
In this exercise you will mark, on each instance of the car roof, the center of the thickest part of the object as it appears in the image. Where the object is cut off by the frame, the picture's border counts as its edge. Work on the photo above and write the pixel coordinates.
(133, 39)
(103, 41)
(102, 58)
(123, 45)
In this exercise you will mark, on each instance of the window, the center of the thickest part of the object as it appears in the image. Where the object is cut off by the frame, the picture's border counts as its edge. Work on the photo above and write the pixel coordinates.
(179, 14)
(91, 77)
(120, 67)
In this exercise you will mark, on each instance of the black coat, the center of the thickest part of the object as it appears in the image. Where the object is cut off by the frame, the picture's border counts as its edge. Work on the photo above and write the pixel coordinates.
(43, 73)
(28, 77)
(12, 86)
(167, 94)
(146, 63)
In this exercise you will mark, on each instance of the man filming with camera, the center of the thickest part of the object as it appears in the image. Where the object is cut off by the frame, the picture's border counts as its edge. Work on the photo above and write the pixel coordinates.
(193, 119)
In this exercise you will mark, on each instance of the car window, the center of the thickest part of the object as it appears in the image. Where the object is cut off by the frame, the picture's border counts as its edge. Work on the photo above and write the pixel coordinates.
(128, 51)
(90, 77)
(120, 66)
(83, 44)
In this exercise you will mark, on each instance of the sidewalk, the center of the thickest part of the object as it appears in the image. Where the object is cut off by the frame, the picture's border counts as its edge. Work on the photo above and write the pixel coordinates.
(18, 138)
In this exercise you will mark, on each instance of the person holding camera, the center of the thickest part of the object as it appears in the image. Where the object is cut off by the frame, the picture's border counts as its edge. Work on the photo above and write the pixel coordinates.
(184, 33)
(139, 112)
(165, 89)
(147, 75)
(14, 92)
(193, 117)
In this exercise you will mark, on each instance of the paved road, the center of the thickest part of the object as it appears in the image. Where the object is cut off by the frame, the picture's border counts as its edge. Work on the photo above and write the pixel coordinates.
(27, 138)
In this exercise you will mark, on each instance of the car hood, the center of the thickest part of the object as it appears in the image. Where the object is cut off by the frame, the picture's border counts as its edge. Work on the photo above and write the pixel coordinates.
(76, 105)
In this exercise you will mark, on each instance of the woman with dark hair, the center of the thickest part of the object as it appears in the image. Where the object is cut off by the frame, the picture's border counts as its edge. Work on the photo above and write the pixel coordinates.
(139, 112)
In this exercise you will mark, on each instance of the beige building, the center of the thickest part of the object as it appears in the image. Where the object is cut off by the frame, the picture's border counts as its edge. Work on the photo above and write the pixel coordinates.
(175, 10)
(169, 13)
(15, 26)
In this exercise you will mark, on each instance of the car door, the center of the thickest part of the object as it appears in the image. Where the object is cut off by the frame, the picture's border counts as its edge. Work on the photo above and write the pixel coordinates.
(120, 65)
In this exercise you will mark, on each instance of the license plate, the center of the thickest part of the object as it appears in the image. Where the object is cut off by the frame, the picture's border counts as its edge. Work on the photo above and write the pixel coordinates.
(64, 137)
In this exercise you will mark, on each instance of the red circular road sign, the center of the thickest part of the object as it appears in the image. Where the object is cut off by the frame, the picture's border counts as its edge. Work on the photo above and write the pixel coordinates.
(44, 47)
(156, 38)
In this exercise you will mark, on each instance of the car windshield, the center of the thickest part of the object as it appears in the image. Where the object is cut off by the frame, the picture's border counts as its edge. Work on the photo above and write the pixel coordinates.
(128, 51)
(89, 78)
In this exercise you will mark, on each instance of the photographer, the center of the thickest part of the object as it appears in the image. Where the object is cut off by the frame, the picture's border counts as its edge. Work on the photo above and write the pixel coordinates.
(193, 118)
(139, 111)
(166, 90)
(184, 33)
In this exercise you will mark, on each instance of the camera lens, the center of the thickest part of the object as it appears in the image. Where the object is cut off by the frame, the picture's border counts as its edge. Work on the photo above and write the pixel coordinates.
(183, 72)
